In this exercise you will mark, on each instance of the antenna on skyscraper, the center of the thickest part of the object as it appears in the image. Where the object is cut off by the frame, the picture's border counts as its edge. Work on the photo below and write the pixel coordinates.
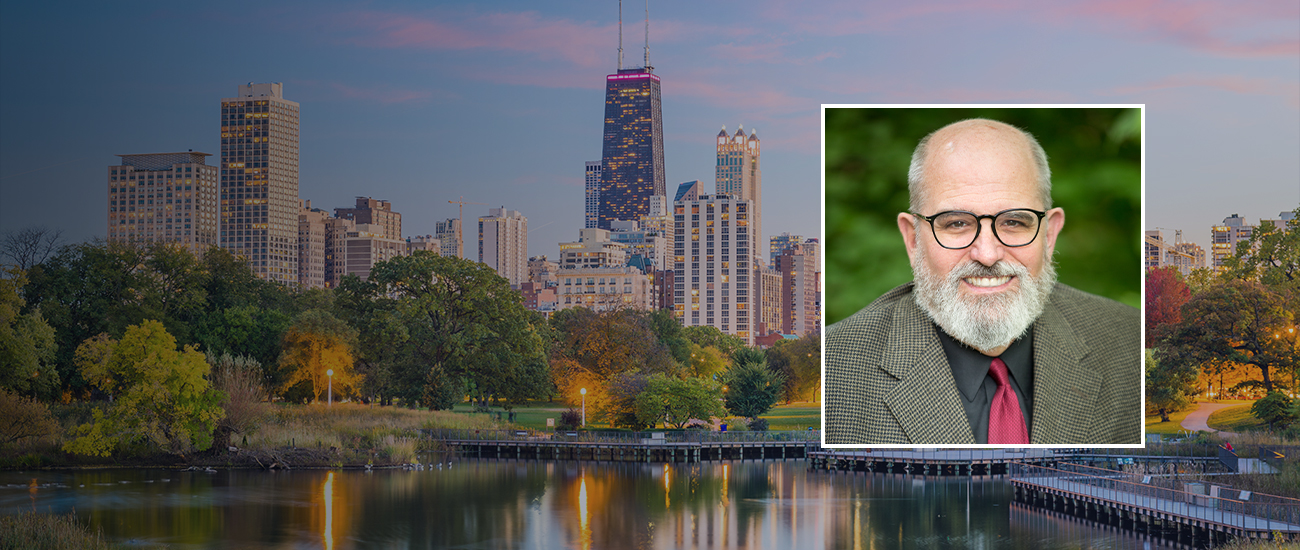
(647, 34)
(620, 34)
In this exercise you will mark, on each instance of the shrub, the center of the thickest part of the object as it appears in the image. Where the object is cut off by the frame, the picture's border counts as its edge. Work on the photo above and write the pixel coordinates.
(240, 379)
(758, 424)
(570, 420)
(23, 418)
(1275, 408)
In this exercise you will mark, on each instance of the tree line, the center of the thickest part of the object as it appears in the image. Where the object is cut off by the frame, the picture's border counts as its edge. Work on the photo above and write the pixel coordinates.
(91, 321)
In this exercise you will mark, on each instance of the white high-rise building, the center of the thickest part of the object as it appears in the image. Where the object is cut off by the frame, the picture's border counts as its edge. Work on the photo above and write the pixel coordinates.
(259, 180)
(503, 243)
(716, 262)
(448, 233)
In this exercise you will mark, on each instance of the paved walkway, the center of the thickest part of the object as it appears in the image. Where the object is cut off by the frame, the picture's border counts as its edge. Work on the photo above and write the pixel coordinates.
(1196, 421)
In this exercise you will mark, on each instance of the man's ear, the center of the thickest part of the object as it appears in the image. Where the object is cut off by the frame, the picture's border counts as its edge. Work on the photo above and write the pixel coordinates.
(1053, 222)
(907, 226)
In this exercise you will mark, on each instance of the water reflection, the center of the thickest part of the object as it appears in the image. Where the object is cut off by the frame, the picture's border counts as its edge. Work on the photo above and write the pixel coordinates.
(523, 504)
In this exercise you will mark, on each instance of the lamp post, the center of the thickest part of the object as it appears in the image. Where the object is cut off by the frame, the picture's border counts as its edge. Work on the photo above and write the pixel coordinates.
(583, 391)
(330, 374)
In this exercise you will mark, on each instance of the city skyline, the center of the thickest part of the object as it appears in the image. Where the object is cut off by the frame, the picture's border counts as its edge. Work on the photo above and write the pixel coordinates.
(420, 105)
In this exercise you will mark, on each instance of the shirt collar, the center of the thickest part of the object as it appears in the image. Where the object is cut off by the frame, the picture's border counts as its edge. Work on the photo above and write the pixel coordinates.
(970, 367)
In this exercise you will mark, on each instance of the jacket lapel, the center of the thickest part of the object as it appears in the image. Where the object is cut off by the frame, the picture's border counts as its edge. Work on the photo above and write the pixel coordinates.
(1065, 392)
(925, 401)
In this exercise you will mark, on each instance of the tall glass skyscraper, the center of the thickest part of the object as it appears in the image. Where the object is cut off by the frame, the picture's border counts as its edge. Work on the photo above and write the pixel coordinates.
(259, 180)
(632, 159)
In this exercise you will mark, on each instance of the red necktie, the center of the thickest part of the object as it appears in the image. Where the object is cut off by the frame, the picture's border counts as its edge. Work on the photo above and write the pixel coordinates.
(1006, 421)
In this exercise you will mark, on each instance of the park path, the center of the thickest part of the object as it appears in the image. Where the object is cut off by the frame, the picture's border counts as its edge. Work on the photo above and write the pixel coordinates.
(1196, 421)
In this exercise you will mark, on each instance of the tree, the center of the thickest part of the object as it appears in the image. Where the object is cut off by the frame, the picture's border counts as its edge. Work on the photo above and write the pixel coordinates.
(30, 246)
(1170, 384)
(1166, 294)
(23, 418)
(160, 394)
(1238, 321)
(1271, 255)
(799, 364)
(1275, 408)
(750, 388)
(621, 391)
(315, 345)
(706, 362)
(711, 337)
(590, 347)
(26, 344)
(676, 401)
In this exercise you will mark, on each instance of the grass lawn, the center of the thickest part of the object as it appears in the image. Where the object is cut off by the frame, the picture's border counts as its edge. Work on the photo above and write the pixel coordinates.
(795, 416)
(1235, 419)
(1173, 426)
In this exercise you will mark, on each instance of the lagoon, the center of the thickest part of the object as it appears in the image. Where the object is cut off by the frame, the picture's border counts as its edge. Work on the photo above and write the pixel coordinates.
(506, 504)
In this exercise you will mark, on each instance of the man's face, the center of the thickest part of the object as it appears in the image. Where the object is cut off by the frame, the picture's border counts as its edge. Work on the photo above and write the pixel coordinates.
(986, 294)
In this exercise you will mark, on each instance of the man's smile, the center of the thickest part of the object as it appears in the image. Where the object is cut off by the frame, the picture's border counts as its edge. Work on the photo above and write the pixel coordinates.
(990, 283)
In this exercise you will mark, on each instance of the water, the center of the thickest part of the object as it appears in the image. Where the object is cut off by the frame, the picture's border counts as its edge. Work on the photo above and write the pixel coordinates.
(506, 504)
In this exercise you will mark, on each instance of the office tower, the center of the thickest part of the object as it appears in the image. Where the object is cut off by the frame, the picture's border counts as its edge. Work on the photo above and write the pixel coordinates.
(738, 172)
(503, 244)
(1224, 238)
(798, 290)
(367, 245)
(594, 248)
(448, 233)
(311, 246)
(169, 197)
(770, 304)
(592, 198)
(715, 260)
(632, 154)
(259, 180)
(374, 212)
(336, 249)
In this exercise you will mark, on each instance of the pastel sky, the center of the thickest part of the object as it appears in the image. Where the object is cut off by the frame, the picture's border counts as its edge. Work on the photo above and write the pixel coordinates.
(501, 102)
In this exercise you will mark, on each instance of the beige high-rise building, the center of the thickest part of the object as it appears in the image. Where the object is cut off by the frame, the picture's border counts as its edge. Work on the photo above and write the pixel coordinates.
(168, 197)
(375, 212)
(367, 245)
(259, 180)
(1224, 239)
(798, 290)
(770, 311)
(604, 288)
(716, 264)
(739, 173)
(312, 227)
(594, 248)
(336, 249)
(503, 244)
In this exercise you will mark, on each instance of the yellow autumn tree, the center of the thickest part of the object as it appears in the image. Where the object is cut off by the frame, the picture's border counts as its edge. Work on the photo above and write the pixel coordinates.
(316, 344)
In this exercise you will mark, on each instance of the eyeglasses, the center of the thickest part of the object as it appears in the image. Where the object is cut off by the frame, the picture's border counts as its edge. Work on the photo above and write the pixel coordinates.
(957, 229)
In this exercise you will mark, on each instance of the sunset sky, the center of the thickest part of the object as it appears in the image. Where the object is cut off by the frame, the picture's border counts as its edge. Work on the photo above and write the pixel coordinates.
(502, 102)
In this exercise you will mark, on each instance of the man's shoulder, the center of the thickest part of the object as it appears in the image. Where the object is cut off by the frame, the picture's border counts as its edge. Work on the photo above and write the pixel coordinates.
(1092, 310)
(874, 318)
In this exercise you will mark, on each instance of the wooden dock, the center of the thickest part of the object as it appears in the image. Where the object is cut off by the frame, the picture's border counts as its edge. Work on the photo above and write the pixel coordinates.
(929, 461)
(1112, 498)
(670, 447)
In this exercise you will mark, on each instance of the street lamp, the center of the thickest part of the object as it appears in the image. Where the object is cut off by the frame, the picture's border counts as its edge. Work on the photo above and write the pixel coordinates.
(330, 374)
(583, 391)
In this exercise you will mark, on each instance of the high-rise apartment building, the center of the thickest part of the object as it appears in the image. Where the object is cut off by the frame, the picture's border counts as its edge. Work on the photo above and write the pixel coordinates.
(367, 245)
(604, 288)
(798, 290)
(591, 204)
(503, 244)
(1224, 239)
(781, 242)
(449, 234)
(632, 156)
(375, 212)
(738, 172)
(259, 180)
(771, 308)
(716, 264)
(336, 249)
(168, 197)
(312, 227)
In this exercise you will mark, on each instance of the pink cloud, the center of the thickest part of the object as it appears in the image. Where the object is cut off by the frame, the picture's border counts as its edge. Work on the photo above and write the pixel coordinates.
(1288, 90)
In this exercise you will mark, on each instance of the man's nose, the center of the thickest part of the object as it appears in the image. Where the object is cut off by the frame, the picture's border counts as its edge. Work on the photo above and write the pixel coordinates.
(987, 249)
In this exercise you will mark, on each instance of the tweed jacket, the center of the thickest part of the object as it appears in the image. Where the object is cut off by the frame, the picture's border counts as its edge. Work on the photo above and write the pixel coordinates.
(888, 379)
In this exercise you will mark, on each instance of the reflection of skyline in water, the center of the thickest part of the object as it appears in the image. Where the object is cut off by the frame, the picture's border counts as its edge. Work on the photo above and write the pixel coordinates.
(528, 504)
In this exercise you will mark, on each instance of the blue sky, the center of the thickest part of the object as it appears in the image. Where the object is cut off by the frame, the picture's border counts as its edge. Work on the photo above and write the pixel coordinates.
(501, 102)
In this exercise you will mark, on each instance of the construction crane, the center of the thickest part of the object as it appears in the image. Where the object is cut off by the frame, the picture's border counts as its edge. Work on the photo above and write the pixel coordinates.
(460, 249)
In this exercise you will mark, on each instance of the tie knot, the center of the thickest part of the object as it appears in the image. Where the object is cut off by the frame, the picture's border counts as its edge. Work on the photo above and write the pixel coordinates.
(998, 370)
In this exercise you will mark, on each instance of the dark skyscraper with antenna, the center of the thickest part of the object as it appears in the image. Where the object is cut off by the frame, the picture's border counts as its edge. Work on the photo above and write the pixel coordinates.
(632, 158)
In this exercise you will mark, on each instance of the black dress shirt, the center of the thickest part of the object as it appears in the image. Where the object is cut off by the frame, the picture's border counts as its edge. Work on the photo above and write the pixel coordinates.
(970, 369)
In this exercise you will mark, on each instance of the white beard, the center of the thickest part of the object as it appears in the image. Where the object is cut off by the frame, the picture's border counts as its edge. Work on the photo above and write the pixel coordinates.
(982, 321)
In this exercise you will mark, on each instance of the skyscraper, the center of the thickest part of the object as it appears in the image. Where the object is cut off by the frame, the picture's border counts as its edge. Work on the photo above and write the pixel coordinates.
(169, 197)
(711, 234)
(503, 244)
(632, 157)
(591, 202)
(259, 180)
(738, 172)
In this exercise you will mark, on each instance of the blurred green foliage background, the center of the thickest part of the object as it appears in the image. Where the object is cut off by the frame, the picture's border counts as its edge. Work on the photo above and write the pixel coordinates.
(1095, 156)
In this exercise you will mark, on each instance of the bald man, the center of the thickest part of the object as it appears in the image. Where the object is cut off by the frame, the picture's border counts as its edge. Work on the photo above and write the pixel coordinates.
(984, 346)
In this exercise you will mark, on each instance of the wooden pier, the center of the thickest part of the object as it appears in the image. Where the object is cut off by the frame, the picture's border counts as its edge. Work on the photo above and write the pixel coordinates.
(1111, 498)
(929, 461)
(670, 447)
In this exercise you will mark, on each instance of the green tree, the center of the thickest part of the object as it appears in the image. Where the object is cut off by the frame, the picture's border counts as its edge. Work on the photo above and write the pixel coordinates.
(751, 389)
(1170, 384)
(316, 345)
(1271, 256)
(590, 347)
(160, 394)
(621, 391)
(706, 362)
(26, 344)
(1276, 409)
(711, 337)
(676, 401)
(247, 330)
(1238, 321)
(798, 362)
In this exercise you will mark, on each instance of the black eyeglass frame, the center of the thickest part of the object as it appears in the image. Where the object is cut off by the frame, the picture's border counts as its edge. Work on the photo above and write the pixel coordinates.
(979, 226)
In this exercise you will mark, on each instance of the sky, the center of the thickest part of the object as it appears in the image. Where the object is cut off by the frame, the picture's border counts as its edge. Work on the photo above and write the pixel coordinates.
(502, 102)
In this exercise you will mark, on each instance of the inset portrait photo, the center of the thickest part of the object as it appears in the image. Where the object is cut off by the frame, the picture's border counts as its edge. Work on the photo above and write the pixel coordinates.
(982, 275)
